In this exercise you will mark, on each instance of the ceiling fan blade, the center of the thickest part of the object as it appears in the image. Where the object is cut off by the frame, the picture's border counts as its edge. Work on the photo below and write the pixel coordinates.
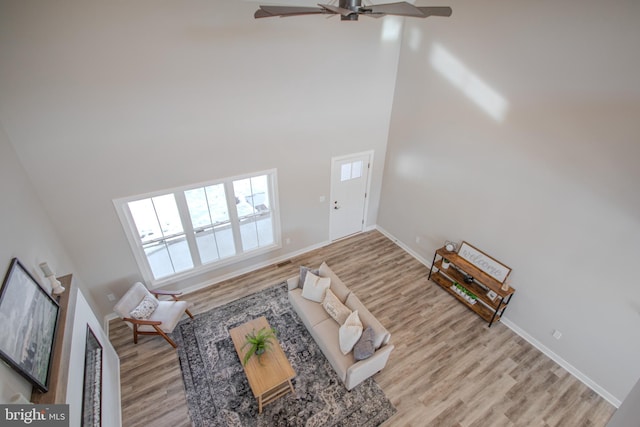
(271, 11)
(372, 15)
(262, 14)
(435, 11)
(402, 8)
(335, 9)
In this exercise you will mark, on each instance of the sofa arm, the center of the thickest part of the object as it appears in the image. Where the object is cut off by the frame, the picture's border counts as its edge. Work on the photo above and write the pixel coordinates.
(364, 369)
(292, 283)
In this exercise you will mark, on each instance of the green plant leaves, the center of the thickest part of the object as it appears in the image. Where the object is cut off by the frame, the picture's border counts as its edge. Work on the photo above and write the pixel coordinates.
(258, 342)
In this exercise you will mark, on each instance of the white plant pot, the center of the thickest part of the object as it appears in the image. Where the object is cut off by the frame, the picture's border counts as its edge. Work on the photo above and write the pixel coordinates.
(445, 265)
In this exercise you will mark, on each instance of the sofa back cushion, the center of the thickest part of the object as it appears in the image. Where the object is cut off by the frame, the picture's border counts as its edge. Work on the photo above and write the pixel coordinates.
(350, 332)
(335, 308)
(364, 348)
(303, 273)
(315, 287)
(380, 334)
(131, 299)
(338, 288)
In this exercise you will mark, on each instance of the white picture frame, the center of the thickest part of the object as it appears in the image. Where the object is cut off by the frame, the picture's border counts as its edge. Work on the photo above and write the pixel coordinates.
(484, 262)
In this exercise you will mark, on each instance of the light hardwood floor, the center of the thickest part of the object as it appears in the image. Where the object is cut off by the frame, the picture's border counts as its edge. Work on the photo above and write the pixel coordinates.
(448, 369)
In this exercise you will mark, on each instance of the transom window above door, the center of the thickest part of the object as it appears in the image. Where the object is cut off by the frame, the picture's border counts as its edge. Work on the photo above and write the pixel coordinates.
(185, 231)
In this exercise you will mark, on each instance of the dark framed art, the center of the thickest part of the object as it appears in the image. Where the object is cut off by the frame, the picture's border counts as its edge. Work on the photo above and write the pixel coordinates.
(29, 319)
(92, 392)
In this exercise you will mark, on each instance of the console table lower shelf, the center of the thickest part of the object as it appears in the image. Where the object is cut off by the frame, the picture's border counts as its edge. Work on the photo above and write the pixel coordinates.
(489, 315)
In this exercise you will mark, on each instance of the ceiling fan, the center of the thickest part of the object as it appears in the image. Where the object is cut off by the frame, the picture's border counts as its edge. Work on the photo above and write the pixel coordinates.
(349, 10)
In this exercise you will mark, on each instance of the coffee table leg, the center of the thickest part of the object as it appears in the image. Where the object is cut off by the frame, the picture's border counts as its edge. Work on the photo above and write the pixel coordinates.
(259, 404)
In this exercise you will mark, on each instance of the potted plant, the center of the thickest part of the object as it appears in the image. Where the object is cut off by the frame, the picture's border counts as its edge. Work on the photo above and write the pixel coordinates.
(445, 263)
(258, 343)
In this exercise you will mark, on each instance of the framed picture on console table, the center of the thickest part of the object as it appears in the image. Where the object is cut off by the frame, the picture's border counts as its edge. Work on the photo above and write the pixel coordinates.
(484, 262)
(28, 321)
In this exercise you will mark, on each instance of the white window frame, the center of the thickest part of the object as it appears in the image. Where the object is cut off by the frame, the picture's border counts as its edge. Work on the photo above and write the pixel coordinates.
(131, 231)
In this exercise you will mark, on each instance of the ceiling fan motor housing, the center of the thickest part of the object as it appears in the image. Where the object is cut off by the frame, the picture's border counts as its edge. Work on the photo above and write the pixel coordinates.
(353, 5)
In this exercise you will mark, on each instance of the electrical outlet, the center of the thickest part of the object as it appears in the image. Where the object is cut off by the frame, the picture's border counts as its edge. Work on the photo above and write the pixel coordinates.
(287, 241)
(111, 297)
(418, 239)
(321, 199)
(557, 334)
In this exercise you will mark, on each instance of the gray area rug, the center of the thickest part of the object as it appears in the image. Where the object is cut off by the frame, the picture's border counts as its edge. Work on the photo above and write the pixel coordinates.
(217, 390)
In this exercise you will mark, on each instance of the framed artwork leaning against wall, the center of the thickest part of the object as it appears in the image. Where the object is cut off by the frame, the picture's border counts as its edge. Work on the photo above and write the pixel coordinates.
(29, 319)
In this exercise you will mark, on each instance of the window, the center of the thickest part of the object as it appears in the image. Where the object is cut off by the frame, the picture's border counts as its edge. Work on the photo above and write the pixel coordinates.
(185, 231)
(351, 170)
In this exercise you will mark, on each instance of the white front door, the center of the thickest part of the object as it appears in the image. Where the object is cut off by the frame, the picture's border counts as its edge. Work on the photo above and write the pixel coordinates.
(349, 181)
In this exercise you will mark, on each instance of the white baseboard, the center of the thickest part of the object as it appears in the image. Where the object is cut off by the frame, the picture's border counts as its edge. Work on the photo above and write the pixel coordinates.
(522, 333)
(560, 361)
(105, 322)
(406, 248)
(254, 267)
(369, 228)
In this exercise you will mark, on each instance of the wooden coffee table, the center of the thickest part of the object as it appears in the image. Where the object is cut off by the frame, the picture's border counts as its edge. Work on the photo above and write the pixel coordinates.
(270, 377)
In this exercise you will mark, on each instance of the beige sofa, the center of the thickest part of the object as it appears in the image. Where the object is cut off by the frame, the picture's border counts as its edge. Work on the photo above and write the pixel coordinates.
(324, 330)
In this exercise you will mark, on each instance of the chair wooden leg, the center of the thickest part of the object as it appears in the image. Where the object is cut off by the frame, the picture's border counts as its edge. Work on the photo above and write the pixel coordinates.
(135, 334)
(165, 336)
(189, 313)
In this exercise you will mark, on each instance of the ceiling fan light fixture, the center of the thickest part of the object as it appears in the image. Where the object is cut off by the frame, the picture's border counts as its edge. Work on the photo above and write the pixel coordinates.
(353, 6)
(349, 10)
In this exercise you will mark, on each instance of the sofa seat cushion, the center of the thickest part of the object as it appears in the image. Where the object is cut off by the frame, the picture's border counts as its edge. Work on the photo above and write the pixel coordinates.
(380, 333)
(337, 286)
(326, 335)
(169, 313)
(311, 312)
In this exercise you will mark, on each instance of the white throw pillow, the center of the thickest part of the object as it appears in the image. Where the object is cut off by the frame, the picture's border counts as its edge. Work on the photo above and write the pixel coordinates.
(350, 332)
(315, 287)
(145, 309)
(336, 309)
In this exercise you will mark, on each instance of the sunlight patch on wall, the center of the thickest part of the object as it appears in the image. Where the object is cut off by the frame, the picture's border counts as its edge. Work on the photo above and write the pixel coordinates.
(415, 38)
(469, 83)
(391, 28)
(409, 167)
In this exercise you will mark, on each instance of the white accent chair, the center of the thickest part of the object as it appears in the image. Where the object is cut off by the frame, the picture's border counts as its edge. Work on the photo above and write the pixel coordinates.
(163, 319)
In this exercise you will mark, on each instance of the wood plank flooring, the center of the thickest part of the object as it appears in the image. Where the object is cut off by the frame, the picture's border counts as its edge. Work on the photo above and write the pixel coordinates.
(448, 369)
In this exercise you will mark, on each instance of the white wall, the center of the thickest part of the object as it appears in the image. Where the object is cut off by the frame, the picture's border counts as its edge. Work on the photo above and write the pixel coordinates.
(628, 413)
(28, 235)
(551, 188)
(109, 99)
